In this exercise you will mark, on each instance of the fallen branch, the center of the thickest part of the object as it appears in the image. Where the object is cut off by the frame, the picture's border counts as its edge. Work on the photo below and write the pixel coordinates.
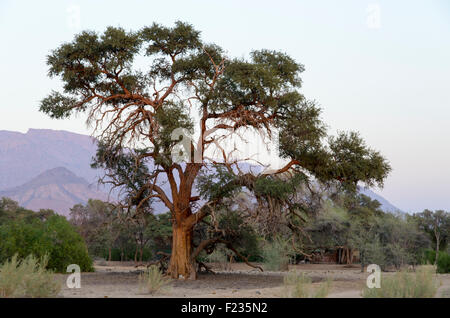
(207, 268)
(229, 246)
(162, 262)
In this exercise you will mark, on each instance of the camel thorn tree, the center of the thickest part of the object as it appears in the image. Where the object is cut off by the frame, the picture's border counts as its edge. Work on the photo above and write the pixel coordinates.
(138, 87)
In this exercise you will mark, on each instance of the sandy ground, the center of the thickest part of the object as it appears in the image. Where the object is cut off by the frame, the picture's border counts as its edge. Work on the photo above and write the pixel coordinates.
(115, 279)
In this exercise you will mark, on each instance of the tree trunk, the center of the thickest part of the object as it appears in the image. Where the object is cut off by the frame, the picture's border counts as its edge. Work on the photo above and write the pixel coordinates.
(181, 265)
(136, 254)
(362, 260)
(350, 256)
(437, 250)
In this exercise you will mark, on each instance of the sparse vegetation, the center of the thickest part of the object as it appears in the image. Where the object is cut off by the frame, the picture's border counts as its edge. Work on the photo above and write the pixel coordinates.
(219, 257)
(276, 254)
(420, 284)
(446, 293)
(300, 286)
(153, 281)
(27, 278)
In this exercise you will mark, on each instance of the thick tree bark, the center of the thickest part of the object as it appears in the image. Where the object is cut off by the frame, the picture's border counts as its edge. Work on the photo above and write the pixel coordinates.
(181, 263)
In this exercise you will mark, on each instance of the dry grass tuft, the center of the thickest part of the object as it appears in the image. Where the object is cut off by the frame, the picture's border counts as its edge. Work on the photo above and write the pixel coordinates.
(421, 284)
(153, 281)
(27, 278)
(300, 286)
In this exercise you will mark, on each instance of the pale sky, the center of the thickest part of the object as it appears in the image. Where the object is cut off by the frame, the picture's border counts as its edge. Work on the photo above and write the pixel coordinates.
(378, 67)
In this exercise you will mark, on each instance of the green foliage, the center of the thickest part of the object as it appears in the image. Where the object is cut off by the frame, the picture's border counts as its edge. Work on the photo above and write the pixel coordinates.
(446, 293)
(354, 161)
(27, 278)
(383, 238)
(420, 284)
(219, 184)
(153, 280)
(227, 227)
(443, 263)
(330, 228)
(220, 257)
(276, 254)
(53, 236)
(241, 234)
(136, 106)
(437, 226)
(428, 256)
(65, 246)
(259, 92)
(300, 286)
(278, 188)
(118, 234)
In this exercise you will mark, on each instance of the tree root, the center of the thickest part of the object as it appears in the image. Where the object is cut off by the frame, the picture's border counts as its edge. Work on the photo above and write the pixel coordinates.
(229, 246)
(207, 268)
(163, 262)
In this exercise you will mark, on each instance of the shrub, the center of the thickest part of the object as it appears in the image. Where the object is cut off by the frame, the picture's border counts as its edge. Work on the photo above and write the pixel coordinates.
(429, 256)
(446, 293)
(66, 246)
(54, 237)
(300, 286)
(153, 280)
(421, 284)
(219, 257)
(27, 278)
(443, 263)
(276, 254)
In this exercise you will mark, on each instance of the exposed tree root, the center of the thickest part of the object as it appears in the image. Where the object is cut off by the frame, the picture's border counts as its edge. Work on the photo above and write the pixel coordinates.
(207, 268)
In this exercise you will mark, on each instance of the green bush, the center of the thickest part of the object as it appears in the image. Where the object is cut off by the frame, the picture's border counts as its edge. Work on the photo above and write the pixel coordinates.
(429, 256)
(27, 278)
(276, 254)
(421, 284)
(219, 257)
(54, 237)
(443, 263)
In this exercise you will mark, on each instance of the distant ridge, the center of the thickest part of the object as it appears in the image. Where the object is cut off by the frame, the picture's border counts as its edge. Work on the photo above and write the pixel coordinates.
(58, 189)
(386, 206)
(54, 161)
(24, 156)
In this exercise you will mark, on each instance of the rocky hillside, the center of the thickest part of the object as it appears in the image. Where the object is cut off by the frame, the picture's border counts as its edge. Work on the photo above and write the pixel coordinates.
(58, 189)
(28, 174)
(24, 156)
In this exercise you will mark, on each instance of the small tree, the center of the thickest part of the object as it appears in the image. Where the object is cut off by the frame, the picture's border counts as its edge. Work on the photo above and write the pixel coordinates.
(437, 225)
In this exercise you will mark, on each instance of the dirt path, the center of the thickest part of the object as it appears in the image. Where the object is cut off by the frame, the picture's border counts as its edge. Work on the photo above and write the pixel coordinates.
(122, 280)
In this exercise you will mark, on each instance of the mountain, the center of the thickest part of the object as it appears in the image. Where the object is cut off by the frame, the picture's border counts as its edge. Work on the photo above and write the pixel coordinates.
(24, 156)
(58, 189)
(39, 151)
(386, 206)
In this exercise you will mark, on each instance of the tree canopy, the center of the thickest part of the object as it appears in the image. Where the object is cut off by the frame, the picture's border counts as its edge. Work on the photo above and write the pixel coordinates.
(139, 105)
